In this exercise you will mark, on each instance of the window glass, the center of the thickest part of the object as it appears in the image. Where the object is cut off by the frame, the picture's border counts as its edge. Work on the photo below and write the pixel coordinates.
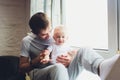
(36, 6)
(87, 21)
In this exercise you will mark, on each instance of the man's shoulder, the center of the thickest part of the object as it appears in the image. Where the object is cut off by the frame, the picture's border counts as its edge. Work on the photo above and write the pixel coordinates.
(26, 38)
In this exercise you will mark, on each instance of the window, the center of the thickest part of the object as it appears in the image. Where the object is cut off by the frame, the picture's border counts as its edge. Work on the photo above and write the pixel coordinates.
(93, 23)
(88, 23)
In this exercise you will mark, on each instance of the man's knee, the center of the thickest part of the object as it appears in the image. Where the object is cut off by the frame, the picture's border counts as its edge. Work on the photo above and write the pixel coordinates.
(59, 67)
(59, 72)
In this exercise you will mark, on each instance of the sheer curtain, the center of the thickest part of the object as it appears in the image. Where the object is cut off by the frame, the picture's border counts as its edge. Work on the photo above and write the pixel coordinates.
(55, 10)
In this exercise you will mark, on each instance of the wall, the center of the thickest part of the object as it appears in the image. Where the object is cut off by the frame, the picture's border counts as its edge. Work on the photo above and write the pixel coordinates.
(14, 16)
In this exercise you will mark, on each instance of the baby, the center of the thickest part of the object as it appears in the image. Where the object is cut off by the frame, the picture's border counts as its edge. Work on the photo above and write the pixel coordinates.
(60, 46)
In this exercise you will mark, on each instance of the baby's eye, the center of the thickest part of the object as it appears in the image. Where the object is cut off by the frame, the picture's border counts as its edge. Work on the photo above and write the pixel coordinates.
(58, 36)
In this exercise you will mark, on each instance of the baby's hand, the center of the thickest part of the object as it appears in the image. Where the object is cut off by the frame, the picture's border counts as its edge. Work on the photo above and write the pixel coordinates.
(44, 57)
(45, 60)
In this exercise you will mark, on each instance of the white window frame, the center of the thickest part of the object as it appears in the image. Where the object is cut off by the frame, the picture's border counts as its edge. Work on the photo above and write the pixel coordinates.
(113, 38)
(118, 25)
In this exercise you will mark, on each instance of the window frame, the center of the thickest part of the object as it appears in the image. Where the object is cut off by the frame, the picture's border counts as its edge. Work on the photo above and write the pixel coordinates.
(113, 27)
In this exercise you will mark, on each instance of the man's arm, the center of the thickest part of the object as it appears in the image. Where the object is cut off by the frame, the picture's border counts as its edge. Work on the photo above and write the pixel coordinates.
(26, 65)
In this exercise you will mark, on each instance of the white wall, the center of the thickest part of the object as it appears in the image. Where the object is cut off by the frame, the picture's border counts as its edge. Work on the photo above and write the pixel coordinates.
(13, 25)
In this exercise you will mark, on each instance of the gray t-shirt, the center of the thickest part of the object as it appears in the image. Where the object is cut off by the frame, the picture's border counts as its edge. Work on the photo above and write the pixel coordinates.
(32, 46)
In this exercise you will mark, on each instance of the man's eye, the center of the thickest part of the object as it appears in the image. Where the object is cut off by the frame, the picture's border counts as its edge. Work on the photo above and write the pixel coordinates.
(44, 34)
(58, 36)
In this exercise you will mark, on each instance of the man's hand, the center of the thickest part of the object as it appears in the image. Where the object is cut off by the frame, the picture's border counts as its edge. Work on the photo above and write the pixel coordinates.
(64, 59)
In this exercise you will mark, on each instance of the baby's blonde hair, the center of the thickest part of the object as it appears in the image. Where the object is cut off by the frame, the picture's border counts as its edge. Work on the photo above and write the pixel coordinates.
(60, 28)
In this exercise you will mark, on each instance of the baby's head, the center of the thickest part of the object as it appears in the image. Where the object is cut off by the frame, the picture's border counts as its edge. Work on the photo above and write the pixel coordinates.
(60, 34)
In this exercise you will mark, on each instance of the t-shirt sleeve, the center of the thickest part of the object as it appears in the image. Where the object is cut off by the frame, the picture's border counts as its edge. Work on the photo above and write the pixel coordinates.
(25, 48)
(50, 47)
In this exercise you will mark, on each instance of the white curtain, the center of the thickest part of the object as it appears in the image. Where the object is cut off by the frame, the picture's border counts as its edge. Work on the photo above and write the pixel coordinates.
(54, 8)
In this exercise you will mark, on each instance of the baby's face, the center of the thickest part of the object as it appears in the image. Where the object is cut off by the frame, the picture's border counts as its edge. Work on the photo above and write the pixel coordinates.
(60, 38)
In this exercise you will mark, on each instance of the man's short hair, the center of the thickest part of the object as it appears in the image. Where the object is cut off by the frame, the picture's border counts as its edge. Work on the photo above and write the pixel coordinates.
(38, 22)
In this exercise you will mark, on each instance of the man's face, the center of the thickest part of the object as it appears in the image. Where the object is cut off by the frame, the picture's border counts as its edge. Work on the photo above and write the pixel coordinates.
(45, 33)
